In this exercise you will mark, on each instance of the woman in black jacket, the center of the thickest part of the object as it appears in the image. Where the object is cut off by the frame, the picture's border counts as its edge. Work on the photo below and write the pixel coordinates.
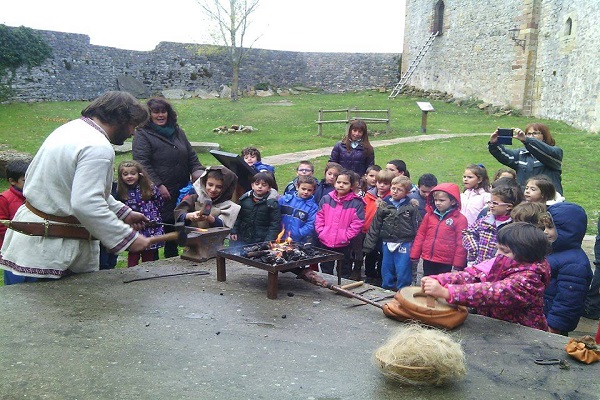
(167, 156)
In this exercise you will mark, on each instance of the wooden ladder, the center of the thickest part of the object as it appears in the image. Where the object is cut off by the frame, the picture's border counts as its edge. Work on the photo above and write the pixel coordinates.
(412, 66)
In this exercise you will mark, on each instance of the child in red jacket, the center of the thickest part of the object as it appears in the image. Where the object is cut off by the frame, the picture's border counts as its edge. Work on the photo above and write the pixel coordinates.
(10, 201)
(439, 238)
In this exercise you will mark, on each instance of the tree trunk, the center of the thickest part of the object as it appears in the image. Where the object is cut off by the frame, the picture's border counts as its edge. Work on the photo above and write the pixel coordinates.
(235, 81)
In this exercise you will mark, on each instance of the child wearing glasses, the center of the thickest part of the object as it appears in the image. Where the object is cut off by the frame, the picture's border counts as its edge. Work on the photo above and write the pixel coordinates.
(476, 191)
(305, 168)
(479, 239)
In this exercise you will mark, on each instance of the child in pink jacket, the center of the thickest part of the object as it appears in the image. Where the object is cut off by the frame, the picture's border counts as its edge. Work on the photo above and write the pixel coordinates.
(509, 286)
(340, 218)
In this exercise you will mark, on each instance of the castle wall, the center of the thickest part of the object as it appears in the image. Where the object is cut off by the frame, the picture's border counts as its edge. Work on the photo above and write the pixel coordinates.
(553, 76)
(81, 71)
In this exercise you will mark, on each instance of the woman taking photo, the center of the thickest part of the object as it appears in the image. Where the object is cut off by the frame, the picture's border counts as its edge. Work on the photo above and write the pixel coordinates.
(540, 156)
(167, 156)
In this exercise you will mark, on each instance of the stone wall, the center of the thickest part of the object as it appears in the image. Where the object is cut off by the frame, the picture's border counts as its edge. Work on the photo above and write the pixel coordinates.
(553, 75)
(81, 71)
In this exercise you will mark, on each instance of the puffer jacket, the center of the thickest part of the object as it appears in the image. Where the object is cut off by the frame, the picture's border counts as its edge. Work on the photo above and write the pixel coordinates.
(321, 190)
(510, 291)
(357, 160)
(439, 239)
(339, 220)
(258, 220)
(298, 216)
(10, 201)
(472, 201)
(536, 158)
(371, 204)
(168, 162)
(570, 266)
(394, 225)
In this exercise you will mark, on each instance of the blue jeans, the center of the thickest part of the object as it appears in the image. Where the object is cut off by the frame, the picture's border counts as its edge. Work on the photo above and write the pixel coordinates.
(396, 267)
(11, 279)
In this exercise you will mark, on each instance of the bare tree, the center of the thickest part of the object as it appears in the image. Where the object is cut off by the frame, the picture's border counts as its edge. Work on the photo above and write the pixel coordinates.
(232, 20)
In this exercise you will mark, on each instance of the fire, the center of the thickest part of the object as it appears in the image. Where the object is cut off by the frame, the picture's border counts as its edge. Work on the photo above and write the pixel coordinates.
(281, 245)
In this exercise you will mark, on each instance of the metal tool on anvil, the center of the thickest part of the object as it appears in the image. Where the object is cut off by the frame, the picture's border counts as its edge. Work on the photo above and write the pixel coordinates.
(177, 226)
(201, 243)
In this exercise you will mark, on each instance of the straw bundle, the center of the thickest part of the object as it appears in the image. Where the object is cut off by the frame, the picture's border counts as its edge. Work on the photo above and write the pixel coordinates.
(419, 356)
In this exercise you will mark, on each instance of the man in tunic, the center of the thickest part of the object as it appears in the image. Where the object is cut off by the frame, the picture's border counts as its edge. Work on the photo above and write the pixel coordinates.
(69, 208)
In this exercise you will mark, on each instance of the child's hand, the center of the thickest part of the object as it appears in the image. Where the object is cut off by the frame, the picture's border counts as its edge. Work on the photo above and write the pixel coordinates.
(233, 237)
(196, 216)
(414, 202)
(433, 288)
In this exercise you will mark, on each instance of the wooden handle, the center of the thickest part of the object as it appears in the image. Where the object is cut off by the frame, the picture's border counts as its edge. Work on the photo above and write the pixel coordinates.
(430, 301)
(353, 285)
(167, 237)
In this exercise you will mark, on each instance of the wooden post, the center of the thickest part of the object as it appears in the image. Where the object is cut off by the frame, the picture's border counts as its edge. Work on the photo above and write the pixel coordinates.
(348, 116)
(320, 129)
(387, 127)
(425, 108)
(424, 122)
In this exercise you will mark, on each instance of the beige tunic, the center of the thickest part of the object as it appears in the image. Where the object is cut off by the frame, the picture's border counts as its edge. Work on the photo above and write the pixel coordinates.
(71, 174)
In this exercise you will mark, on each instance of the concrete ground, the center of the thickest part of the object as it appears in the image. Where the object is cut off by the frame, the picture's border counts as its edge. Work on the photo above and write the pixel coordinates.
(92, 336)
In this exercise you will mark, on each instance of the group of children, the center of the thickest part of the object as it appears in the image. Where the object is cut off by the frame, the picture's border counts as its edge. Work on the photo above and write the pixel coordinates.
(508, 253)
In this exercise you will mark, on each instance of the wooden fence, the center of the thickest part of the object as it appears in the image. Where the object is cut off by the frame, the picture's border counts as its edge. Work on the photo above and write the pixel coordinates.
(351, 114)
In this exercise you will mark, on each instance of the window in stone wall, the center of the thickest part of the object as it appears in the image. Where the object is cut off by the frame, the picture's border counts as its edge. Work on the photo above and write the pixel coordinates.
(438, 17)
(568, 26)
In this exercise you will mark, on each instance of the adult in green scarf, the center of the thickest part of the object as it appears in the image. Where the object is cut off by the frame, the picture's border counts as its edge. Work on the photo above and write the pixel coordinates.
(166, 154)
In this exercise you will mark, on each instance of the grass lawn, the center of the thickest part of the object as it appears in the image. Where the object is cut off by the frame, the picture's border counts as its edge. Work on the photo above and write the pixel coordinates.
(287, 124)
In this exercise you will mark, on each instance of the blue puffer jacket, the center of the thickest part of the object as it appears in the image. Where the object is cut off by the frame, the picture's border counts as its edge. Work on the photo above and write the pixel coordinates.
(571, 272)
(298, 216)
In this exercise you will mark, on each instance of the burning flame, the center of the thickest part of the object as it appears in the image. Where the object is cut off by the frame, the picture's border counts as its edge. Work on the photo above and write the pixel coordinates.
(281, 245)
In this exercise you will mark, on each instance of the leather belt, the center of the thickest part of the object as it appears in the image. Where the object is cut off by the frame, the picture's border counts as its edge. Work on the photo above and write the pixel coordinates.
(47, 229)
(71, 230)
(69, 219)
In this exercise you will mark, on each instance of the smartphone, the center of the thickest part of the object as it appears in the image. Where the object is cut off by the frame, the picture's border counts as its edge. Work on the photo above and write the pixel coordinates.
(505, 135)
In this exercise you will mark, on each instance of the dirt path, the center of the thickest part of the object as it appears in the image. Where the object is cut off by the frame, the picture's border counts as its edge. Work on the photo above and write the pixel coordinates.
(289, 158)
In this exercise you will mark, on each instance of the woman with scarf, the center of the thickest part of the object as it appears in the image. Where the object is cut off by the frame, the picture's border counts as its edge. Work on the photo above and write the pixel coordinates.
(167, 156)
(354, 152)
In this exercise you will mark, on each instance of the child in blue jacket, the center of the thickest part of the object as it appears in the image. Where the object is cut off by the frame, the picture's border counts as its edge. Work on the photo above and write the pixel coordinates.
(564, 297)
(299, 210)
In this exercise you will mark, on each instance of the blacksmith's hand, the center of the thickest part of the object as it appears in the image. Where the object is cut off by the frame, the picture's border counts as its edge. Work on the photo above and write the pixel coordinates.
(136, 220)
(139, 244)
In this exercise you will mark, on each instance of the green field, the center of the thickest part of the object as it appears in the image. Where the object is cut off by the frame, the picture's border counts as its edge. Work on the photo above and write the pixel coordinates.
(287, 124)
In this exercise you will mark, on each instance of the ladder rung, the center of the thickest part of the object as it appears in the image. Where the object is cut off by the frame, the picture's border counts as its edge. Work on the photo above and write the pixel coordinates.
(412, 66)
